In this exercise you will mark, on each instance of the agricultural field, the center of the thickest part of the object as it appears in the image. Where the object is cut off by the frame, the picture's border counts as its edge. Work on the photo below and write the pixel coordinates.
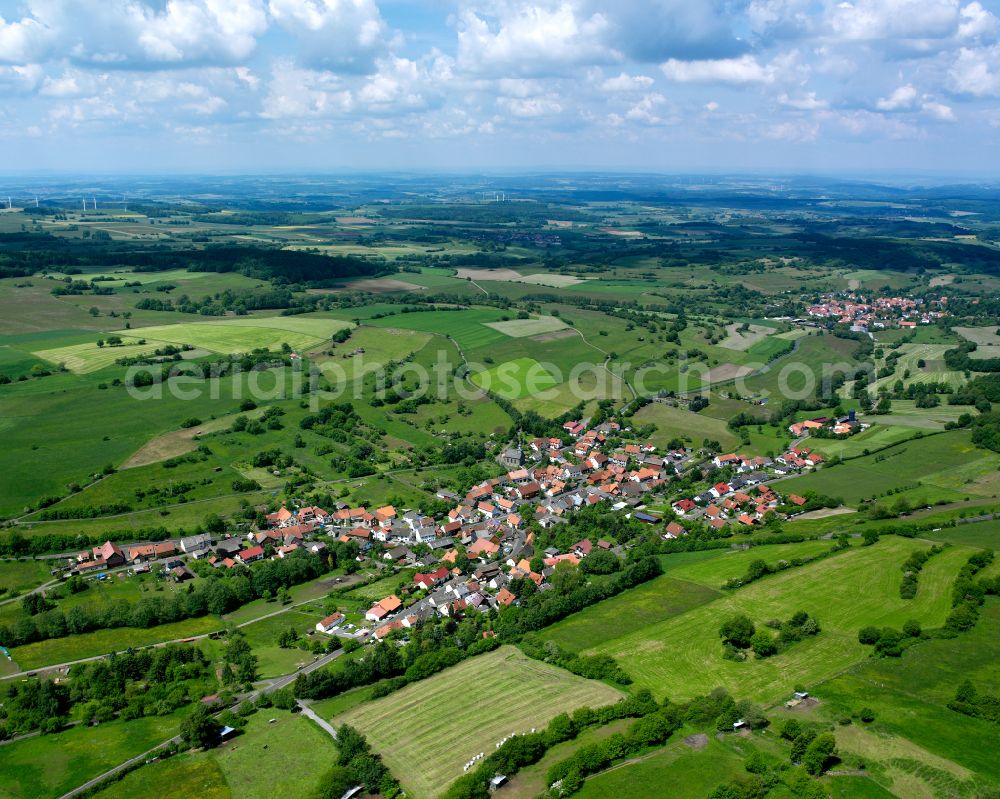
(469, 328)
(678, 422)
(233, 335)
(910, 360)
(17, 576)
(660, 599)
(681, 657)
(517, 379)
(521, 328)
(875, 437)
(440, 728)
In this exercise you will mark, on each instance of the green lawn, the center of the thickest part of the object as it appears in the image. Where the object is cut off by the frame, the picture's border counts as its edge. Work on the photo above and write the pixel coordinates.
(427, 731)
(46, 766)
(875, 437)
(681, 656)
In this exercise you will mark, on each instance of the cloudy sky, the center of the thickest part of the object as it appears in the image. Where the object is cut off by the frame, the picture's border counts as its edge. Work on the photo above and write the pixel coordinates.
(266, 85)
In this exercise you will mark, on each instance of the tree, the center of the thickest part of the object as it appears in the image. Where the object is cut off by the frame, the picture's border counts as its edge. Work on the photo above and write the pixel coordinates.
(335, 783)
(763, 644)
(868, 635)
(200, 729)
(819, 754)
(737, 631)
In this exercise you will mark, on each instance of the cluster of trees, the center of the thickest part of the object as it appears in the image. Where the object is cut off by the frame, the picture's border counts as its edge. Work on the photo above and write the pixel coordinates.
(889, 642)
(912, 568)
(814, 752)
(432, 647)
(739, 634)
(960, 359)
(973, 703)
(219, 594)
(356, 764)
(151, 682)
(593, 667)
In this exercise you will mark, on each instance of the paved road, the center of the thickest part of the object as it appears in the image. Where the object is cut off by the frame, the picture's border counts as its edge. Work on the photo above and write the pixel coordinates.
(323, 723)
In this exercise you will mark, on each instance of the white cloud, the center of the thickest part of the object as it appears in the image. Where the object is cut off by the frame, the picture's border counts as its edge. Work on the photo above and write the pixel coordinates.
(294, 92)
(341, 34)
(903, 98)
(626, 83)
(745, 69)
(645, 111)
(532, 40)
(133, 33)
(976, 72)
(938, 111)
(20, 79)
(802, 102)
(531, 107)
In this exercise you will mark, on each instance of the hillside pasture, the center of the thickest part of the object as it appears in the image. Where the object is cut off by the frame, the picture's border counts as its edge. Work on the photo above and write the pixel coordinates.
(428, 730)
(944, 465)
(740, 340)
(677, 422)
(517, 379)
(681, 657)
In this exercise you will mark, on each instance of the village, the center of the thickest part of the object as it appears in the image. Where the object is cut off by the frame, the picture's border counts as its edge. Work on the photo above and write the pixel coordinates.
(466, 561)
(877, 313)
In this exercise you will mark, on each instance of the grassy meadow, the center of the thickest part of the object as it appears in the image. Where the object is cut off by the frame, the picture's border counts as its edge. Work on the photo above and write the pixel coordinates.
(681, 657)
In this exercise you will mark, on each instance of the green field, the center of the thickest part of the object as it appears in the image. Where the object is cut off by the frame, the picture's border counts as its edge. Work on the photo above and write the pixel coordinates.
(945, 466)
(467, 327)
(517, 379)
(636, 609)
(286, 758)
(731, 564)
(521, 328)
(875, 437)
(22, 575)
(427, 731)
(240, 334)
(101, 642)
(917, 746)
(47, 766)
(681, 423)
(682, 656)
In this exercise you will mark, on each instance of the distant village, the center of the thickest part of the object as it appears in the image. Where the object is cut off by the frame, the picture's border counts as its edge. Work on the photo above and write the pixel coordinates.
(877, 313)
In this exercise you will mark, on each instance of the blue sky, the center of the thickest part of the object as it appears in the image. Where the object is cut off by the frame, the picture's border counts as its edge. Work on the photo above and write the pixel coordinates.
(266, 85)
